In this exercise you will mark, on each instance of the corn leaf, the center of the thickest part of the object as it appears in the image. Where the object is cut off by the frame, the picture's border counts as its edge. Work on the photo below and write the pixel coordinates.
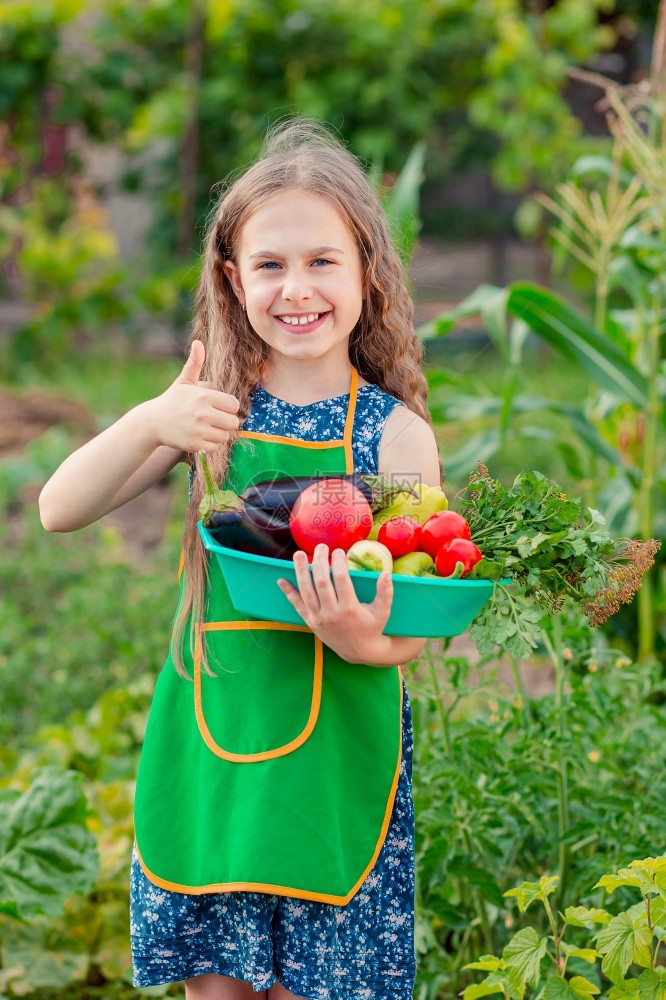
(573, 336)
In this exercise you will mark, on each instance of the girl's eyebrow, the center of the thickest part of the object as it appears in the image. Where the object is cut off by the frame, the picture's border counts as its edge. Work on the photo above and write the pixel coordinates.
(316, 252)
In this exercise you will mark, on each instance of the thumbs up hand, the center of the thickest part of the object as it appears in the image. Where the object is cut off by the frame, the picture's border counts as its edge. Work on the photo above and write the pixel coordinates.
(189, 415)
(192, 367)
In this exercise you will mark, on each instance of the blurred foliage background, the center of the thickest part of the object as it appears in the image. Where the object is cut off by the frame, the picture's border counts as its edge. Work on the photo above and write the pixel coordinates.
(533, 228)
(178, 94)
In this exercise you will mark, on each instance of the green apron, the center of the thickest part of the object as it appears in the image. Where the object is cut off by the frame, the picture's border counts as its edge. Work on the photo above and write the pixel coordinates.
(278, 772)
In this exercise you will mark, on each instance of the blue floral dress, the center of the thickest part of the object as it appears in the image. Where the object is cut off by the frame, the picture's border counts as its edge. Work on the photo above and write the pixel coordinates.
(319, 951)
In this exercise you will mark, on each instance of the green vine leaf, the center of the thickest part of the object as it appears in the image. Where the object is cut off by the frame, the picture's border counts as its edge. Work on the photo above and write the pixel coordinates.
(612, 882)
(583, 916)
(621, 943)
(652, 984)
(627, 989)
(586, 954)
(487, 963)
(494, 983)
(523, 956)
(658, 910)
(648, 875)
(577, 988)
(527, 892)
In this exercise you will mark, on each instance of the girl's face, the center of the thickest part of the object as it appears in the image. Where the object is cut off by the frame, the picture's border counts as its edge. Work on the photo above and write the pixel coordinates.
(298, 272)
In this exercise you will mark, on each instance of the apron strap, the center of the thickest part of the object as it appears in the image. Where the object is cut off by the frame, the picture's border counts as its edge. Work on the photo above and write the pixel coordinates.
(349, 422)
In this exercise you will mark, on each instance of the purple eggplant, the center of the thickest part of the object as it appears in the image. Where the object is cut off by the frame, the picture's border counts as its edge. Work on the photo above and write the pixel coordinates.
(278, 496)
(238, 524)
(252, 530)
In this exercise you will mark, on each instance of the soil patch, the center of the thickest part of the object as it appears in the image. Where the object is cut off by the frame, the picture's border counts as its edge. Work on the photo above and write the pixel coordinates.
(23, 418)
(140, 523)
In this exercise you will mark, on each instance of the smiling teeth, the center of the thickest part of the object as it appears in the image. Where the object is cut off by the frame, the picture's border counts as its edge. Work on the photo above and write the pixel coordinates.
(300, 320)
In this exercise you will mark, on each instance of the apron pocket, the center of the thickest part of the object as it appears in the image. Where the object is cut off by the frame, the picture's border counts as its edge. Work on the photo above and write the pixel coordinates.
(263, 697)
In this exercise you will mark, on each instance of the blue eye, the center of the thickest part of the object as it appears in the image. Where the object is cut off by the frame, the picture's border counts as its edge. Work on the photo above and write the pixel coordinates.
(320, 260)
(269, 265)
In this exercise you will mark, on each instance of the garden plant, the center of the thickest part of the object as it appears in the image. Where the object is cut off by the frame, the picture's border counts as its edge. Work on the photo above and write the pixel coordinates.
(557, 802)
(613, 223)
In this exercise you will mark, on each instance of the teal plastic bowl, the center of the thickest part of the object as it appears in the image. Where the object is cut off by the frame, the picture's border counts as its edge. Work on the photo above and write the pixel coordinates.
(422, 606)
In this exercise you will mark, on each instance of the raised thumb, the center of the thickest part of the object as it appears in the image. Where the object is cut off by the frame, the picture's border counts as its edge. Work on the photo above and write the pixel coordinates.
(192, 367)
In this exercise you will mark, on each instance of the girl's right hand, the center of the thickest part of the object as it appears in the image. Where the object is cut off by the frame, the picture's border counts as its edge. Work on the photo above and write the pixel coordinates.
(190, 416)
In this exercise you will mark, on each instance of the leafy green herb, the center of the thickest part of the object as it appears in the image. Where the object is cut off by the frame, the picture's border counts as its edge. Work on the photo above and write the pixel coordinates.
(551, 549)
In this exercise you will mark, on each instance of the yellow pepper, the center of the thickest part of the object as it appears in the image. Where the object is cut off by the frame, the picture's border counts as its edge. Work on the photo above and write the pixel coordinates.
(428, 500)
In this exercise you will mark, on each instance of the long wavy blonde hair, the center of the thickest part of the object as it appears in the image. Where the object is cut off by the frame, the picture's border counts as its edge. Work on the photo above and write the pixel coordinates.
(299, 154)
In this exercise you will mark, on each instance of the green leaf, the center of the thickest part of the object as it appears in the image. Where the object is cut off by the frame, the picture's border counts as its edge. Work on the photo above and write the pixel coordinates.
(572, 335)
(489, 300)
(658, 910)
(401, 204)
(582, 988)
(41, 956)
(652, 875)
(486, 569)
(649, 876)
(595, 164)
(586, 954)
(652, 984)
(477, 448)
(627, 989)
(46, 851)
(493, 983)
(527, 892)
(583, 916)
(586, 431)
(635, 237)
(621, 943)
(577, 988)
(612, 882)
(523, 955)
(558, 324)
(487, 963)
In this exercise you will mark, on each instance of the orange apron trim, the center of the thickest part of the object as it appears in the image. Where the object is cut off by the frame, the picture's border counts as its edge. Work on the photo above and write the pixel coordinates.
(297, 442)
(281, 890)
(346, 441)
(315, 703)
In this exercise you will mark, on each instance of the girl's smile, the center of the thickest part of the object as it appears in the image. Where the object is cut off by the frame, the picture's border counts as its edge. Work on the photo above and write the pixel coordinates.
(304, 322)
(298, 271)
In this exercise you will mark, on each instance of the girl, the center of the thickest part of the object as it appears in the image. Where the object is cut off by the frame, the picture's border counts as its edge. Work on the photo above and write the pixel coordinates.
(273, 813)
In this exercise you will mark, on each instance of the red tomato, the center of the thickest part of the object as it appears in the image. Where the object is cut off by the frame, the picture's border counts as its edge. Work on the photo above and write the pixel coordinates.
(310, 556)
(333, 511)
(442, 527)
(455, 551)
(400, 535)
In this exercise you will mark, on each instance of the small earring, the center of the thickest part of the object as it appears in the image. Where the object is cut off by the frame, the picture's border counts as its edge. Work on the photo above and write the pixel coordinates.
(243, 307)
